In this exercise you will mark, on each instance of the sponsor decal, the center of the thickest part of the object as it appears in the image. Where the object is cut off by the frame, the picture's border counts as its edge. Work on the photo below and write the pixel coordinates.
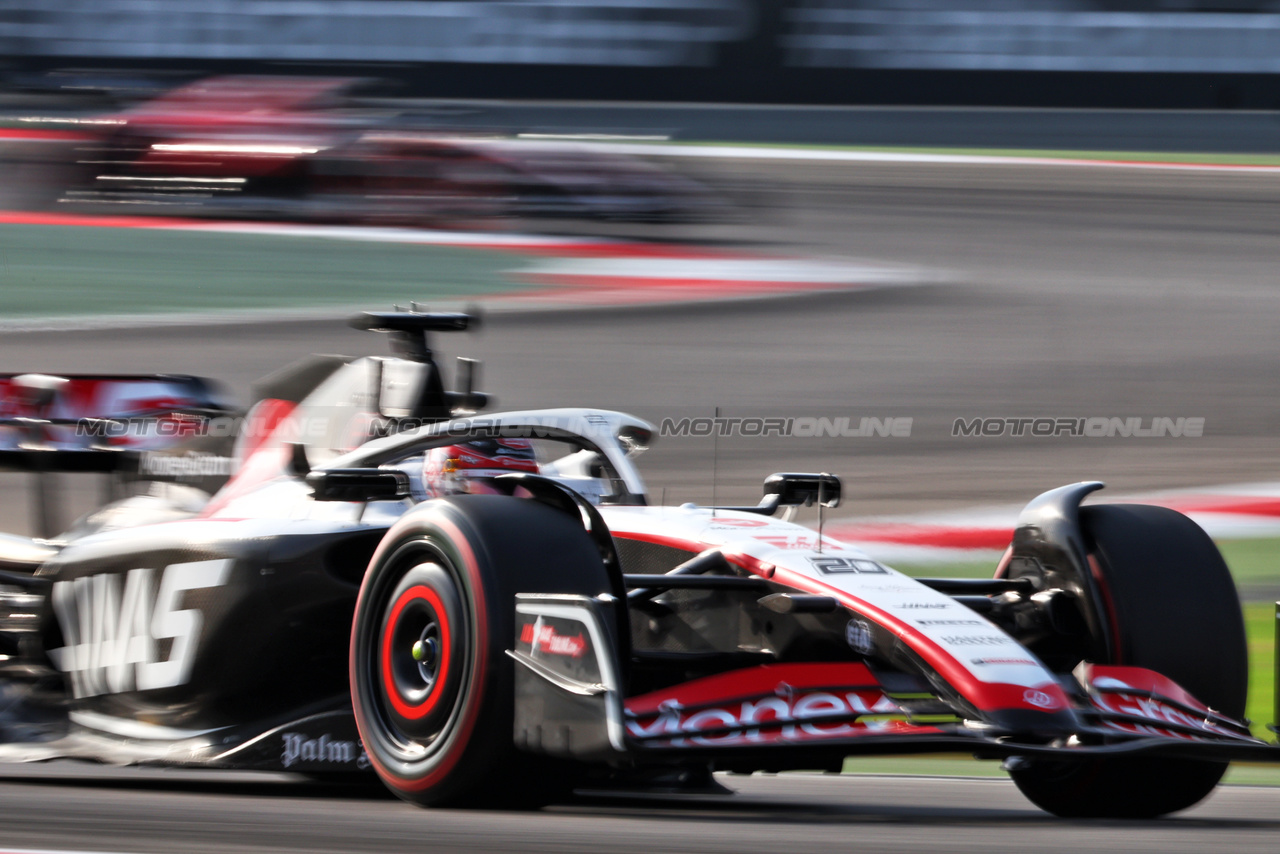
(1153, 710)
(192, 465)
(930, 606)
(889, 588)
(828, 565)
(543, 638)
(858, 634)
(296, 749)
(1039, 699)
(768, 718)
(950, 622)
(803, 542)
(739, 523)
(991, 662)
(976, 640)
(112, 626)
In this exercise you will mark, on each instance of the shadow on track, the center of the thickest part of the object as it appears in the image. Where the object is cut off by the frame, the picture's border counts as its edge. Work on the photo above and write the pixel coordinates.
(356, 787)
(830, 809)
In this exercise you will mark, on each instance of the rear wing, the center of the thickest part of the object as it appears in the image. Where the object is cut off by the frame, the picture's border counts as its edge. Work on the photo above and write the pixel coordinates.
(174, 427)
(129, 427)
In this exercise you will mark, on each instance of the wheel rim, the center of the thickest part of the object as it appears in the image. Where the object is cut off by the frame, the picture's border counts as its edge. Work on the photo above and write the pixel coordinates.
(419, 660)
(415, 652)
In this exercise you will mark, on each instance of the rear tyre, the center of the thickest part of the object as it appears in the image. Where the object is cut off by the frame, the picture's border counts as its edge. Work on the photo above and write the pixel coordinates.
(431, 685)
(1174, 610)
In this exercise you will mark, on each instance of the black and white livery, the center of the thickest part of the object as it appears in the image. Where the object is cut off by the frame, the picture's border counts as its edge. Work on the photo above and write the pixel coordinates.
(487, 609)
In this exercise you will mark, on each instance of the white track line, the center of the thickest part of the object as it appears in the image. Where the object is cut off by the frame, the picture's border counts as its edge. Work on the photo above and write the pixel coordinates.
(835, 155)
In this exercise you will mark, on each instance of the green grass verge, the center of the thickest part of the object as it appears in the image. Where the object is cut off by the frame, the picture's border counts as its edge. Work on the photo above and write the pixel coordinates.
(62, 270)
(1254, 561)
(957, 569)
(1260, 627)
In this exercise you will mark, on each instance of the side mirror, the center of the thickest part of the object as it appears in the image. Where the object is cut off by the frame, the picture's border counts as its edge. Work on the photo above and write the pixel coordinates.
(358, 484)
(795, 489)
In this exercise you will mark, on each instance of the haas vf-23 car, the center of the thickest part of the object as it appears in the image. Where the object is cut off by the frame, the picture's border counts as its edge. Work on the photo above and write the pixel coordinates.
(490, 610)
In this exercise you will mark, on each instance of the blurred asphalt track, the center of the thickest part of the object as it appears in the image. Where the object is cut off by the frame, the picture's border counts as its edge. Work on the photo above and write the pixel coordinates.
(1073, 292)
(69, 807)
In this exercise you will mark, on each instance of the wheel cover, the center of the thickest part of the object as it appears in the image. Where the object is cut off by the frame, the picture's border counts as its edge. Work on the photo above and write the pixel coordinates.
(418, 669)
(416, 652)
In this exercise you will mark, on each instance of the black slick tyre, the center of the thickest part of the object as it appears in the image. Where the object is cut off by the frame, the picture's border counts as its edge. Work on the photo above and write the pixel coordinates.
(1173, 608)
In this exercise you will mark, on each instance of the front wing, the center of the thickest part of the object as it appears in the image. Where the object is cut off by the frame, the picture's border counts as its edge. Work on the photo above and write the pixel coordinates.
(570, 703)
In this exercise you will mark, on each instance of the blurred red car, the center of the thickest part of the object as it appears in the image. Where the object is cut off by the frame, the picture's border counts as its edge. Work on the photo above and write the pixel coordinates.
(298, 148)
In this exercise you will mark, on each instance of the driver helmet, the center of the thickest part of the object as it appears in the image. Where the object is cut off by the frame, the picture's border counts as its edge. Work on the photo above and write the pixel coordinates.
(471, 466)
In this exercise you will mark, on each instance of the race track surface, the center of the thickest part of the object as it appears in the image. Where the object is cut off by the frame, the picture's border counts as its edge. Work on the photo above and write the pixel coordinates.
(70, 807)
(1070, 292)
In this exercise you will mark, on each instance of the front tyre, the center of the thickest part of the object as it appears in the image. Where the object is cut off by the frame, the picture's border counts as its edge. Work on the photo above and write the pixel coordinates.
(1174, 609)
(431, 685)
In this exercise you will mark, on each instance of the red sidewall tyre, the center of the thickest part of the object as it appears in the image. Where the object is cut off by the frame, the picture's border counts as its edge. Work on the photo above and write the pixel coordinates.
(431, 685)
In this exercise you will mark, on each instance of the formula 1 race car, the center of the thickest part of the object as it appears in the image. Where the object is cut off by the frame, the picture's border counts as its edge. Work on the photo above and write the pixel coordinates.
(301, 148)
(488, 610)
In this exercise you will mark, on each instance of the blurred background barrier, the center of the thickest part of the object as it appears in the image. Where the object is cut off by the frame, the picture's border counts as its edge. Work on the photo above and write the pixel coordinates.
(1103, 53)
(540, 32)
(1059, 35)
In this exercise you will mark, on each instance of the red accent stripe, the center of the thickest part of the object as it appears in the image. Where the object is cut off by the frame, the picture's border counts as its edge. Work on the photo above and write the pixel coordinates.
(262, 421)
(754, 682)
(1236, 505)
(40, 134)
(264, 457)
(36, 218)
(1142, 679)
(1104, 590)
(937, 536)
